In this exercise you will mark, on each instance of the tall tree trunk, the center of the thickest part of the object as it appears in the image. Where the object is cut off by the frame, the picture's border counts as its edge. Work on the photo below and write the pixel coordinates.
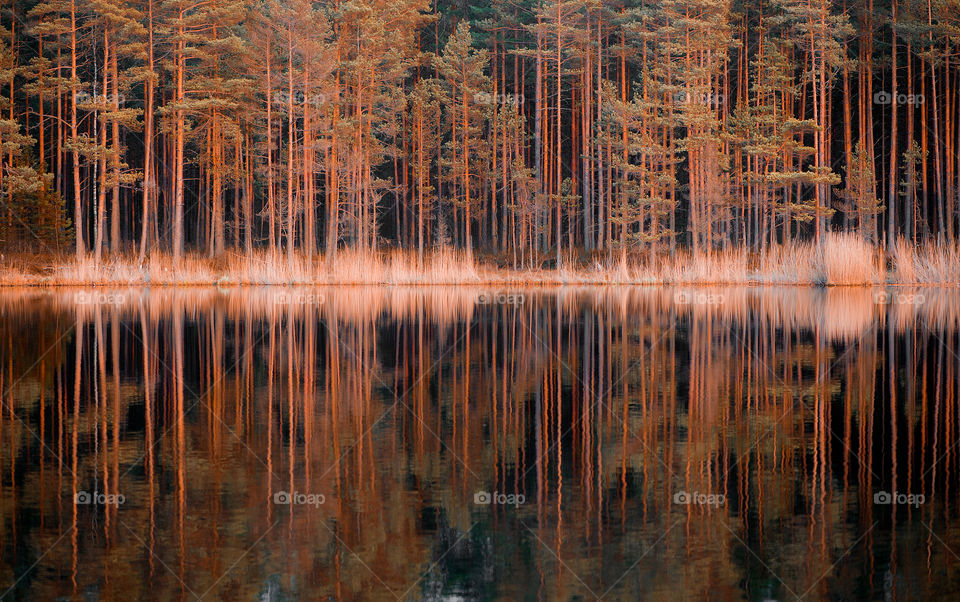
(892, 176)
(148, 217)
(74, 138)
(291, 123)
(271, 201)
(180, 60)
(115, 156)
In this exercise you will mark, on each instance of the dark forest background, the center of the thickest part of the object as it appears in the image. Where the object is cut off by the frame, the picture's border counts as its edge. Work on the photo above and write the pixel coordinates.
(529, 128)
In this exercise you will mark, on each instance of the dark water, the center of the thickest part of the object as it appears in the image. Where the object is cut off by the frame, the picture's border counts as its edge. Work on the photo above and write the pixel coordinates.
(442, 443)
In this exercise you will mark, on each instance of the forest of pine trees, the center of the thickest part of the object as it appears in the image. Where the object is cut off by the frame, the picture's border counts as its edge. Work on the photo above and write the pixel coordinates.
(533, 129)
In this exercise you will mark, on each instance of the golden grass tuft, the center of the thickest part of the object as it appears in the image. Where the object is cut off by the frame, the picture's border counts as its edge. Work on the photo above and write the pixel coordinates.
(262, 268)
(708, 268)
(931, 264)
(847, 259)
(786, 264)
(841, 260)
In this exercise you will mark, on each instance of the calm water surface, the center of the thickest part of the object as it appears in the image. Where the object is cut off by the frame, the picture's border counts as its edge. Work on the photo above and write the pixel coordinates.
(440, 443)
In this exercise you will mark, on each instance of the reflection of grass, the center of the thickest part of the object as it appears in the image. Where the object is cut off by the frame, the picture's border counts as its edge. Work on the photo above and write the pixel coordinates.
(842, 259)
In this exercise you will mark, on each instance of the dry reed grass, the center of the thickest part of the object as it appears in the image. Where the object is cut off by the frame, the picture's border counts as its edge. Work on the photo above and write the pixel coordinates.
(846, 259)
(841, 260)
(932, 264)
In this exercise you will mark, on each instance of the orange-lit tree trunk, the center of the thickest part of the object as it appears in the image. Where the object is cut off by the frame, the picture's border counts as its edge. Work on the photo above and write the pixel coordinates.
(149, 216)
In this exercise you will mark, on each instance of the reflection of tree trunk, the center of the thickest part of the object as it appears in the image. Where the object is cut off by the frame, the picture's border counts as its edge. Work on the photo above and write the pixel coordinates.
(635, 399)
(270, 359)
(217, 375)
(180, 449)
(149, 354)
(333, 389)
(115, 359)
(101, 398)
(537, 421)
(75, 430)
(291, 389)
(308, 402)
(890, 359)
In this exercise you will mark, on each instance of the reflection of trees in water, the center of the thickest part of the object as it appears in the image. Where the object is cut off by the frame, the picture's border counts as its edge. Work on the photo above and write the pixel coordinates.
(399, 405)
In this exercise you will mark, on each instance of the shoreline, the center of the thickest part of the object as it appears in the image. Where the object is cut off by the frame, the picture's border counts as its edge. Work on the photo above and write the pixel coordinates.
(842, 260)
(520, 284)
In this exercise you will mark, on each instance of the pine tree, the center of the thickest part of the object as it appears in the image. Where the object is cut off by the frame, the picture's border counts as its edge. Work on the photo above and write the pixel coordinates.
(861, 191)
(912, 161)
(425, 112)
(199, 38)
(60, 20)
(557, 27)
(767, 134)
(466, 96)
(816, 30)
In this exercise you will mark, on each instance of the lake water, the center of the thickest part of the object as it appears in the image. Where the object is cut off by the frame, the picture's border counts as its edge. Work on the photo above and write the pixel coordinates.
(452, 443)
